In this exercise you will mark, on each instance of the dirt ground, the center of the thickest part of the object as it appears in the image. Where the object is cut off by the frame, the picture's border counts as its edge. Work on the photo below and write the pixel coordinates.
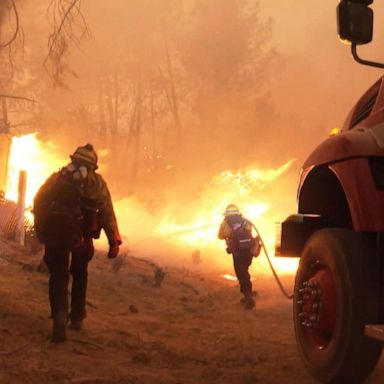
(192, 329)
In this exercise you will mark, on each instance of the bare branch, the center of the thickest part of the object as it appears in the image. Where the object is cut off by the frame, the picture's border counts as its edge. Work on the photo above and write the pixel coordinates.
(66, 15)
(69, 26)
(17, 98)
(17, 27)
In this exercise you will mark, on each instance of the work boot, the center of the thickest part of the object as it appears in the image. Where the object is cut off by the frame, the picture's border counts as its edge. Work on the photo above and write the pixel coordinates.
(76, 325)
(59, 328)
(244, 299)
(249, 301)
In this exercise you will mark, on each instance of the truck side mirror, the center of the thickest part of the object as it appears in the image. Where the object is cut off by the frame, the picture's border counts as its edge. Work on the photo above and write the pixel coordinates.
(355, 21)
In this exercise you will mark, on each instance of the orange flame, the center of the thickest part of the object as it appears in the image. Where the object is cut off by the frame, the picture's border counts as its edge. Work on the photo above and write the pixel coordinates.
(38, 159)
(335, 131)
(242, 188)
(249, 189)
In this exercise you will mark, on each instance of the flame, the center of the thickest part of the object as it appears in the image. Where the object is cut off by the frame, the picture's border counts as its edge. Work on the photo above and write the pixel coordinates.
(229, 277)
(334, 131)
(241, 188)
(179, 228)
(38, 159)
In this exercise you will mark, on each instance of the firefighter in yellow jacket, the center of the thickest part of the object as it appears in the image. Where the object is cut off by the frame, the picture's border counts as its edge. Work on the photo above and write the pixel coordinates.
(237, 232)
(70, 209)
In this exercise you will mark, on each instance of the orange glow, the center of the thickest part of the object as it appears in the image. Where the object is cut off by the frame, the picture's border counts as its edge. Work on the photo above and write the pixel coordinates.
(38, 159)
(334, 131)
(241, 188)
(229, 277)
(344, 41)
(177, 230)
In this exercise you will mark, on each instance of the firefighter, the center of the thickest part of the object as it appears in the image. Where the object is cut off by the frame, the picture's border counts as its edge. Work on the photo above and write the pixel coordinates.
(237, 232)
(70, 209)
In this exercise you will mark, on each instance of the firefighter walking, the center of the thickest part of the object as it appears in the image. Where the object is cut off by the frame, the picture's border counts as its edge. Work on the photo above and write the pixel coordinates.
(237, 232)
(70, 209)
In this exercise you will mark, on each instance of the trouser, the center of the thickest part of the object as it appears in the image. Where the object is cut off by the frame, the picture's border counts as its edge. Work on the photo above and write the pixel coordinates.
(57, 258)
(241, 262)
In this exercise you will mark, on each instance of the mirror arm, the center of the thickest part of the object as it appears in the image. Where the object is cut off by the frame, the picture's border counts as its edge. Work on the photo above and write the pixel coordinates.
(362, 61)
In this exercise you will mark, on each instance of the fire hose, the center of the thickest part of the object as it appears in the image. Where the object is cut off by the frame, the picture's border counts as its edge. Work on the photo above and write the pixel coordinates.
(275, 275)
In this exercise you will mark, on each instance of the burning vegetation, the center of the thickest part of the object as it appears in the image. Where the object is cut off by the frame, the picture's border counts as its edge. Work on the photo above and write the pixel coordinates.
(174, 104)
(190, 106)
(175, 222)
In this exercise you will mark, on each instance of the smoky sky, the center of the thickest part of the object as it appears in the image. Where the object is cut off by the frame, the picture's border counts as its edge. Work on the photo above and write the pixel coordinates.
(310, 88)
(318, 82)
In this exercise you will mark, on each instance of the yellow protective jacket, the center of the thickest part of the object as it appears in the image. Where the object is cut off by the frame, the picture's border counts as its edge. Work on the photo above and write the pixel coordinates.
(225, 230)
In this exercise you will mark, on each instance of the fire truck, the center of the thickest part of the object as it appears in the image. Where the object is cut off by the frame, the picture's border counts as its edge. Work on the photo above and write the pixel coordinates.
(338, 232)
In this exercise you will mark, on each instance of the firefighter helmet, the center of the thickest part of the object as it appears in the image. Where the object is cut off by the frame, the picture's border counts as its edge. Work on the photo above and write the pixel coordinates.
(231, 209)
(85, 155)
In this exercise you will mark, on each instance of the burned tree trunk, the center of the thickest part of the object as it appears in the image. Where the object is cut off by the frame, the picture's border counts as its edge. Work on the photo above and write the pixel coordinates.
(173, 96)
(132, 145)
(137, 132)
(112, 98)
(102, 122)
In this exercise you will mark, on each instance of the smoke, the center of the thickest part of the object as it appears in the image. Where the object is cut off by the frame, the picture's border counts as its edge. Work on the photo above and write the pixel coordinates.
(4, 6)
(179, 95)
(173, 228)
(318, 81)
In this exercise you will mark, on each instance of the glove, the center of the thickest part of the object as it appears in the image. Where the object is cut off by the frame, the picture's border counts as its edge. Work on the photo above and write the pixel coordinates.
(113, 250)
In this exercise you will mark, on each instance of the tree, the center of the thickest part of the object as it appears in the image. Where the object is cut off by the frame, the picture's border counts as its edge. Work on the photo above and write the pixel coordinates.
(67, 22)
(229, 58)
(8, 36)
(160, 80)
(69, 27)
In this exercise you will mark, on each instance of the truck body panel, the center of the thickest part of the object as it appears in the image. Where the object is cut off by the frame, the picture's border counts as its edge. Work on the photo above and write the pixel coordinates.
(346, 169)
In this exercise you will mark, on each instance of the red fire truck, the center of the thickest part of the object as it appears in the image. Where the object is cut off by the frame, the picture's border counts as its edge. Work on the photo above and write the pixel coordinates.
(338, 232)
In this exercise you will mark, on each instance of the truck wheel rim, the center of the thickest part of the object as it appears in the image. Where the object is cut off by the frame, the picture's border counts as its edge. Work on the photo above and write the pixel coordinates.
(317, 305)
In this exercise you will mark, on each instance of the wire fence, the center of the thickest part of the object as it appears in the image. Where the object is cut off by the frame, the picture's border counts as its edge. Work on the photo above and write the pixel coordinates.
(9, 222)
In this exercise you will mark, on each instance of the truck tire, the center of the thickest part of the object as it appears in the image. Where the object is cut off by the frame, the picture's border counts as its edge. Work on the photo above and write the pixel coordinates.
(336, 293)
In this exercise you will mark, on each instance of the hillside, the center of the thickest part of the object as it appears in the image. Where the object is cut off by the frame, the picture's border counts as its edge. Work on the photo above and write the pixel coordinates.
(191, 329)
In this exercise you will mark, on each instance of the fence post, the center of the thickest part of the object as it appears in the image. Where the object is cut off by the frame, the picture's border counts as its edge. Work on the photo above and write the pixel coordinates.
(20, 228)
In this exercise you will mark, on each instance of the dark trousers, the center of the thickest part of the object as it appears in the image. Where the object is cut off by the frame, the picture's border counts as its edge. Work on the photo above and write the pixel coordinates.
(241, 262)
(60, 264)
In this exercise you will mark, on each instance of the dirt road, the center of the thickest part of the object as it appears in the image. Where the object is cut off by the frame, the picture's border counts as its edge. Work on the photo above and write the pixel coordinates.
(190, 330)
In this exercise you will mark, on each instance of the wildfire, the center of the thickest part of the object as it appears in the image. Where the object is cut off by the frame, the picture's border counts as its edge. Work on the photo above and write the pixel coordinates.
(245, 190)
(38, 159)
(250, 189)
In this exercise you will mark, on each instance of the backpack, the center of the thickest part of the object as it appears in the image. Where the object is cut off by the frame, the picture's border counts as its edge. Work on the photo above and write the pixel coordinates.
(256, 248)
(57, 211)
(241, 237)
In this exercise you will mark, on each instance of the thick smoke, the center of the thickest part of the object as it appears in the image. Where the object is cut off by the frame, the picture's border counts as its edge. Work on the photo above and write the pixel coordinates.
(173, 94)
